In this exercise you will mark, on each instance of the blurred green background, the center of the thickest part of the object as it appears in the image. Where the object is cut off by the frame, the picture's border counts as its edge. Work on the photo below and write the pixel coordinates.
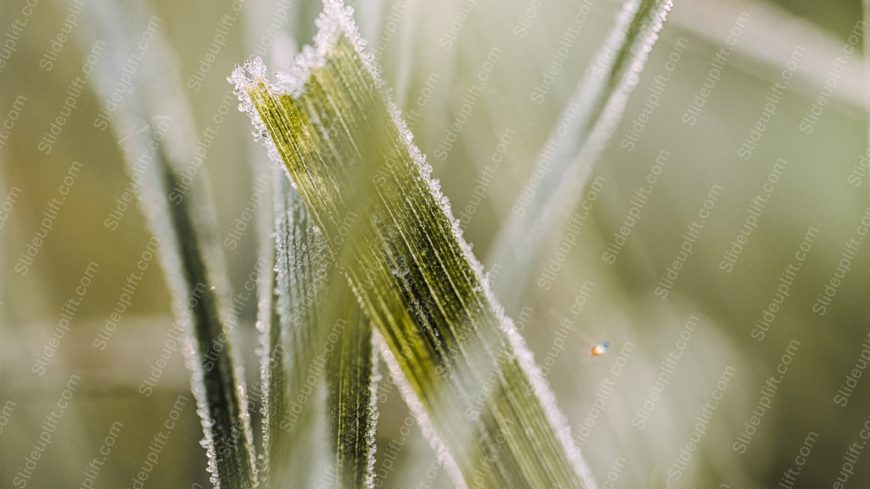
(430, 64)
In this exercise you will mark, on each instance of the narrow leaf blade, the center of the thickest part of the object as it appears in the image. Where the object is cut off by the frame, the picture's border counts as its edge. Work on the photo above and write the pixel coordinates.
(351, 393)
(565, 163)
(153, 127)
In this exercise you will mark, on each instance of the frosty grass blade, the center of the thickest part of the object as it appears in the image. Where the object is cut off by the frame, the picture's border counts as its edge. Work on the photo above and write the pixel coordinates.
(293, 343)
(460, 363)
(565, 163)
(351, 379)
(153, 127)
(318, 336)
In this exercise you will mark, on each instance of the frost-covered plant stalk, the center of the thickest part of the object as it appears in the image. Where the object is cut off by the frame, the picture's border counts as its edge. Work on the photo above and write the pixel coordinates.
(461, 365)
(156, 133)
(586, 124)
(312, 332)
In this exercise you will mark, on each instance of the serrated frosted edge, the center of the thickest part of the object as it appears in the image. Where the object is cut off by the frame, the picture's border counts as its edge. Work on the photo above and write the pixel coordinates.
(337, 18)
(371, 434)
(613, 111)
(426, 426)
(250, 72)
(264, 324)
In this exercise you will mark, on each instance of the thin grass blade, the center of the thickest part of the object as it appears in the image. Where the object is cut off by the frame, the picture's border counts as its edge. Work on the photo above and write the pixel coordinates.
(317, 336)
(586, 124)
(294, 343)
(154, 128)
(351, 380)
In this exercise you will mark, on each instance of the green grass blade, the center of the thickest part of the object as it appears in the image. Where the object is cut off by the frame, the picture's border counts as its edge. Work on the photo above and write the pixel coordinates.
(228, 439)
(462, 366)
(294, 341)
(153, 123)
(317, 334)
(565, 163)
(274, 17)
(351, 379)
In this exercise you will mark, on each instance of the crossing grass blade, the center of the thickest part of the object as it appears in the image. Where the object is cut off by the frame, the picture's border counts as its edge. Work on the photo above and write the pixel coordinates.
(313, 339)
(291, 370)
(460, 363)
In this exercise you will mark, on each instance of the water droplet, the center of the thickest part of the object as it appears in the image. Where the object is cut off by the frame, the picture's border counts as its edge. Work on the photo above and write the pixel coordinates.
(600, 349)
